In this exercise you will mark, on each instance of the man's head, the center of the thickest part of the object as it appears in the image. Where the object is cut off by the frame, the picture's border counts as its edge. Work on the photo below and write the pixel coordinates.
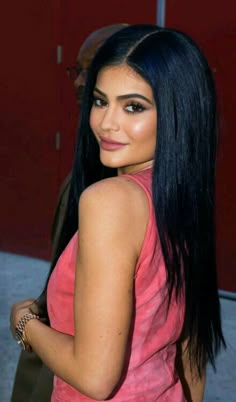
(87, 52)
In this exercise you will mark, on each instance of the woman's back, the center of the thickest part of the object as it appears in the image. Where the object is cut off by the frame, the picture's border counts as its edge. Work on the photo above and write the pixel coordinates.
(149, 373)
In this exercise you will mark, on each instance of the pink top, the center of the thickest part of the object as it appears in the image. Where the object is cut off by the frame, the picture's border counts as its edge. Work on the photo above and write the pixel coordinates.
(150, 373)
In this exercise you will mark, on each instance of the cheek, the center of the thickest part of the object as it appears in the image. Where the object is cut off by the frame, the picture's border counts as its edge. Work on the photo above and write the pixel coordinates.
(144, 129)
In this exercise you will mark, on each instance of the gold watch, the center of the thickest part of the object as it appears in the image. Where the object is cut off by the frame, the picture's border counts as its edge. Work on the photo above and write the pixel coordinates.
(20, 329)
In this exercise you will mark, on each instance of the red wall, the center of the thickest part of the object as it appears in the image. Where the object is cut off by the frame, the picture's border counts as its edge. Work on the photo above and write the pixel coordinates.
(212, 24)
(29, 105)
(37, 101)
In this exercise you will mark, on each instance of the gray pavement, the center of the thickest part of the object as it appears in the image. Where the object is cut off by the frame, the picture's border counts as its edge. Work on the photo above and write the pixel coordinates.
(22, 277)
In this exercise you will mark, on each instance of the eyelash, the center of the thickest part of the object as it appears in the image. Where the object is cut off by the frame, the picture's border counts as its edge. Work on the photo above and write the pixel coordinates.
(136, 106)
(100, 100)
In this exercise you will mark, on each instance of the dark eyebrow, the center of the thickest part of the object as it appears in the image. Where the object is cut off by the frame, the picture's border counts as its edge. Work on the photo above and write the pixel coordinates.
(126, 96)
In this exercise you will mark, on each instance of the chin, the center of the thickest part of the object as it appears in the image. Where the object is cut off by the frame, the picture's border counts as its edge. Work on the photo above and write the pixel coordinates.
(110, 163)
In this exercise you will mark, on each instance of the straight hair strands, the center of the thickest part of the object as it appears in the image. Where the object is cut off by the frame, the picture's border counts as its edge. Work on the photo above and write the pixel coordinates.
(183, 173)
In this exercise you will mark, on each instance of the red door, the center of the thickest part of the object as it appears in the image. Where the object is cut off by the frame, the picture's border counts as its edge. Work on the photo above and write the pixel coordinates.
(38, 103)
(213, 27)
(29, 103)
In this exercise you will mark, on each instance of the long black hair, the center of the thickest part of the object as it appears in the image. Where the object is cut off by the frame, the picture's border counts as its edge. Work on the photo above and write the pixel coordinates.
(183, 174)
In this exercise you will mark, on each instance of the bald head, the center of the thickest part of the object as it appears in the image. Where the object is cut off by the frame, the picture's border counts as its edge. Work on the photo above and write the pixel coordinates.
(96, 38)
(87, 53)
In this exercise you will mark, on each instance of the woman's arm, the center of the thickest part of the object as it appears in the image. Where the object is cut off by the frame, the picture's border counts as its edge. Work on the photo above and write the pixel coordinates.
(110, 239)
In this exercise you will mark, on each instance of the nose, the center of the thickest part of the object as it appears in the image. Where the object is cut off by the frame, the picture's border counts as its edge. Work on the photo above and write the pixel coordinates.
(80, 79)
(110, 119)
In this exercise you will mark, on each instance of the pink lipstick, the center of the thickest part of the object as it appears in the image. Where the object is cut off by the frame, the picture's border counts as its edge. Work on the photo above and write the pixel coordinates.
(110, 145)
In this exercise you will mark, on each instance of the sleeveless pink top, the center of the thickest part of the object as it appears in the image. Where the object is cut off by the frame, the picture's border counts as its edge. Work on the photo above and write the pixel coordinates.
(150, 373)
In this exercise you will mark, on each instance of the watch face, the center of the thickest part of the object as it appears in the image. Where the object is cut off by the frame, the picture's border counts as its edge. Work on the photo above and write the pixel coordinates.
(19, 339)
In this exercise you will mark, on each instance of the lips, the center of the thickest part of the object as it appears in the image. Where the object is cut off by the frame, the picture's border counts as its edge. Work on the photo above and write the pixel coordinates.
(110, 145)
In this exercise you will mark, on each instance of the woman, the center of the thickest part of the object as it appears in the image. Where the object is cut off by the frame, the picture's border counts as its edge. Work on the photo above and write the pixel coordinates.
(140, 281)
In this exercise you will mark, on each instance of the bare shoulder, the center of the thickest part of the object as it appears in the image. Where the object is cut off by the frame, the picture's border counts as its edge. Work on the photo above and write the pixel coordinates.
(115, 192)
(118, 204)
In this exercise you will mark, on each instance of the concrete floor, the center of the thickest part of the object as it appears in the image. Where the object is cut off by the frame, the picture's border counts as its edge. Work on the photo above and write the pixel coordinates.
(23, 277)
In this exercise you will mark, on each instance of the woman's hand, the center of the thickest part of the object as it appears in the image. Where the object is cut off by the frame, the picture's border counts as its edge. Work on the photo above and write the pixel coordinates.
(18, 310)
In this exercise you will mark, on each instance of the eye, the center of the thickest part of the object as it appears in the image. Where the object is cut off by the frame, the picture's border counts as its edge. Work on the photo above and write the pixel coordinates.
(134, 107)
(99, 102)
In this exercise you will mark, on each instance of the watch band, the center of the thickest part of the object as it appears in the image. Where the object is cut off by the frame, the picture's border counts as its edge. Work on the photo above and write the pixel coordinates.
(20, 329)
